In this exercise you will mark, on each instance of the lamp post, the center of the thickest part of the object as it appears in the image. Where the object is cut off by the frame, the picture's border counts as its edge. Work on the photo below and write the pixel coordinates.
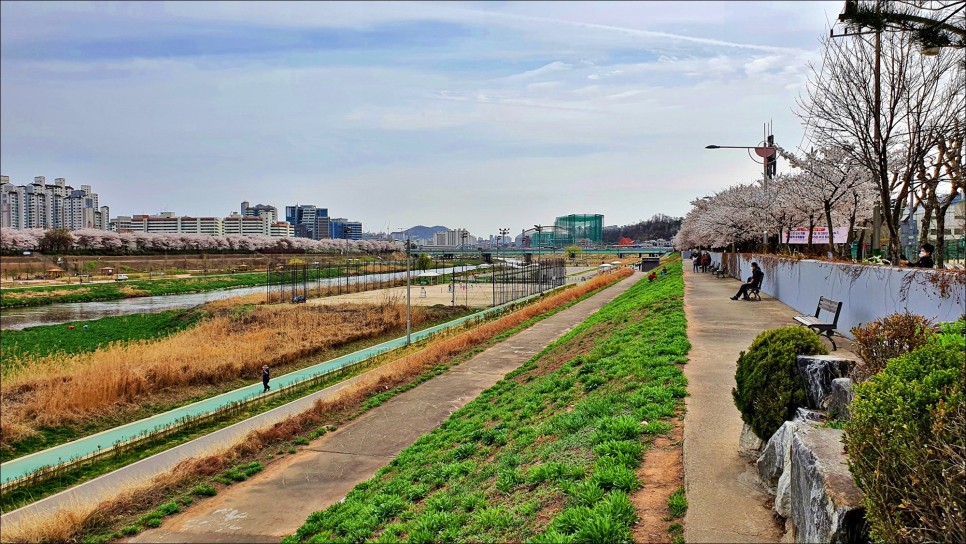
(409, 313)
(345, 234)
(539, 229)
(466, 279)
(766, 152)
(503, 232)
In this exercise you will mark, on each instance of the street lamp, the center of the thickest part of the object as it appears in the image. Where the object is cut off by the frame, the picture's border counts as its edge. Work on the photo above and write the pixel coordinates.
(409, 313)
(466, 278)
(345, 234)
(503, 232)
(539, 229)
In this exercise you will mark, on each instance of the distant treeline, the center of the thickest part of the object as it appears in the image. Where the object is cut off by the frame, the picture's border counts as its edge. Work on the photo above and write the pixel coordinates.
(658, 226)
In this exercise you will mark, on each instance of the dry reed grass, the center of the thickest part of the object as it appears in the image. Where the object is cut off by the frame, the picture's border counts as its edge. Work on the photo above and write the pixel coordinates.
(66, 524)
(59, 526)
(56, 389)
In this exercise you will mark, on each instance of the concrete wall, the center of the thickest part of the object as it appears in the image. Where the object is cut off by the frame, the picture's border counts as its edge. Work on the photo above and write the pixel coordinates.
(867, 292)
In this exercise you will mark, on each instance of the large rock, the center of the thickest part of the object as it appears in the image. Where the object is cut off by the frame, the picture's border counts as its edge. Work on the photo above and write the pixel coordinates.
(818, 371)
(840, 399)
(749, 445)
(826, 505)
(774, 457)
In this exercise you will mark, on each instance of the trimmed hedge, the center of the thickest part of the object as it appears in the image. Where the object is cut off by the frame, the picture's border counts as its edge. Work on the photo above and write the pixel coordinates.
(769, 388)
(906, 443)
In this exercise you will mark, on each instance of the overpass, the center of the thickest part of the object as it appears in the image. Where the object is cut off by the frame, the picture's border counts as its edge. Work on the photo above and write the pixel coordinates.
(476, 251)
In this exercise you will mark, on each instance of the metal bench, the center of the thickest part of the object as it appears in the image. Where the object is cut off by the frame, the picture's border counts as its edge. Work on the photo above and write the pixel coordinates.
(819, 326)
(721, 272)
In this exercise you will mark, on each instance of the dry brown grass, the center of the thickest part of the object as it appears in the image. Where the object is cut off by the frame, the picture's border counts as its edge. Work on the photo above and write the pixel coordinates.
(56, 389)
(67, 524)
(59, 526)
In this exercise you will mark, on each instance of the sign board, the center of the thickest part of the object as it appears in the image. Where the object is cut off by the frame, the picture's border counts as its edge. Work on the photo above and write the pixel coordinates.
(799, 235)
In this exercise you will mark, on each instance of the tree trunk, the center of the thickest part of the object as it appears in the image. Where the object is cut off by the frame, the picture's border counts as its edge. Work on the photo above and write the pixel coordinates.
(938, 256)
(831, 234)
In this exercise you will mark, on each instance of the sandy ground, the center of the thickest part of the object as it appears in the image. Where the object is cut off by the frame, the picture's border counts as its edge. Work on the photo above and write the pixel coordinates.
(474, 295)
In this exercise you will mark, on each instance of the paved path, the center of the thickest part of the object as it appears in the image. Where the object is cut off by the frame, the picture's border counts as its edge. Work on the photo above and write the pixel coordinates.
(276, 502)
(725, 502)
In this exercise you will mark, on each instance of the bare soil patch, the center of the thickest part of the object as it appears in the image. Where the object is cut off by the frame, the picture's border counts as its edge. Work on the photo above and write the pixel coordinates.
(662, 473)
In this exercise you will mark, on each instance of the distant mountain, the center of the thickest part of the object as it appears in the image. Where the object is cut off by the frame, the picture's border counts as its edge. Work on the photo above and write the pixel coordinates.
(420, 232)
(660, 226)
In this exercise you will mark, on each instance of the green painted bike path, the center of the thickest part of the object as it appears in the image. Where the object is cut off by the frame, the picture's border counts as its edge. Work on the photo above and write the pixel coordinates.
(23, 466)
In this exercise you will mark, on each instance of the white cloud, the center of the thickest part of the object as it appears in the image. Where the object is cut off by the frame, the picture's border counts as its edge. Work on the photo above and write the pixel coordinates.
(617, 115)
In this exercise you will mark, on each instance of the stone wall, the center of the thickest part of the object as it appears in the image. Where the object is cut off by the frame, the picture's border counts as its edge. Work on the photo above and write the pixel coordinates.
(867, 292)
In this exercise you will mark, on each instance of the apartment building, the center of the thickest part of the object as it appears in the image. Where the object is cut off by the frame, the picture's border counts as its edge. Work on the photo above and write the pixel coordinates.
(452, 238)
(246, 225)
(167, 223)
(50, 206)
(260, 210)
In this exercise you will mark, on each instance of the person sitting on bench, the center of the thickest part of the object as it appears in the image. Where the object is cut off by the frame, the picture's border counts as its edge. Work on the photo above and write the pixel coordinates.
(753, 282)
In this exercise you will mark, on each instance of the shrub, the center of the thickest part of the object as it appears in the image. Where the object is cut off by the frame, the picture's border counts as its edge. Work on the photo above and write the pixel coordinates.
(769, 388)
(887, 338)
(906, 447)
(204, 490)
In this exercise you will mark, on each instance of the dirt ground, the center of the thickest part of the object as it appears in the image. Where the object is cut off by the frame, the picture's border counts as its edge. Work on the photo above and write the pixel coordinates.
(479, 295)
(662, 474)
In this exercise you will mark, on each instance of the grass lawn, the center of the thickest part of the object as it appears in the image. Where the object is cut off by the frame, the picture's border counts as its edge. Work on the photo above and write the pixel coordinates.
(46, 340)
(90, 292)
(546, 455)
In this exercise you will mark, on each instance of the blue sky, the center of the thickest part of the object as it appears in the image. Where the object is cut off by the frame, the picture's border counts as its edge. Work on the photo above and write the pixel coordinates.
(474, 114)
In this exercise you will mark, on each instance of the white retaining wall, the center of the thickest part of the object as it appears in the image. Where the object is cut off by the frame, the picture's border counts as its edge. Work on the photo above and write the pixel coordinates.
(866, 293)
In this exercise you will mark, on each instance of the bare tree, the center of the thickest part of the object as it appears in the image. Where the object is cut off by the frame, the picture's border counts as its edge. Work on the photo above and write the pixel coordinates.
(886, 106)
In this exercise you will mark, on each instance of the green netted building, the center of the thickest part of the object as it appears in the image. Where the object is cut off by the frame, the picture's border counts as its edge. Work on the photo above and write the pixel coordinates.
(579, 229)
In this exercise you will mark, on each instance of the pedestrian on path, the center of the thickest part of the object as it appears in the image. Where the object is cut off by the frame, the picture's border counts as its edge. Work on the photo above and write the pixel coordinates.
(695, 260)
(266, 375)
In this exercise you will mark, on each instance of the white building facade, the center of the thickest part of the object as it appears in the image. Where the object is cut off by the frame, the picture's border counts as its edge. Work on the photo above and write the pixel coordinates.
(50, 206)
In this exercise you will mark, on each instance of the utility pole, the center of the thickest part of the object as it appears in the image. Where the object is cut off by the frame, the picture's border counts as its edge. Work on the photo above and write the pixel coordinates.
(880, 157)
(409, 313)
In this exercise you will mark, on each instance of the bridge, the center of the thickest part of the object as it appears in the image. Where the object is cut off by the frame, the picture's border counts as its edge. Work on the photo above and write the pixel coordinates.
(488, 253)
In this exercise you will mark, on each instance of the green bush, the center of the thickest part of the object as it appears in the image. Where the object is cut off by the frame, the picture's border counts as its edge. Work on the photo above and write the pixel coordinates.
(906, 447)
(769, 388)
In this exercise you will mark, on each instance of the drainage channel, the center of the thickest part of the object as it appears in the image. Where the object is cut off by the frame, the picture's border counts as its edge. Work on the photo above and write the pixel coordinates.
(72, 452)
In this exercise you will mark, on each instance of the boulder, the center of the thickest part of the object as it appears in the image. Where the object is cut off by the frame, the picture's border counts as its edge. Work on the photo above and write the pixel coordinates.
(840, 399)
(818, 371)
(749, 445)
(826, 505)
(807, 414)
(774, 457)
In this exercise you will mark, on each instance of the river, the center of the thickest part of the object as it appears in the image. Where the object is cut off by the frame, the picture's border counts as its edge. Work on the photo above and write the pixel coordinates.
(54, 314)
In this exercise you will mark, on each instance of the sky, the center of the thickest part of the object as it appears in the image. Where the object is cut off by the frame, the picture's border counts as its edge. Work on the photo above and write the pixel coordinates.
(481, 115)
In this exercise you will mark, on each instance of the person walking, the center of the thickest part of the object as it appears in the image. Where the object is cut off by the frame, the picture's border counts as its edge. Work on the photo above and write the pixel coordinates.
(695, 260)
(266, 375)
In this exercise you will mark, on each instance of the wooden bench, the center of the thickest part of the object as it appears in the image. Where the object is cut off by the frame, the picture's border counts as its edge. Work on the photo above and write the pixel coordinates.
(721, 272)
(819, 326)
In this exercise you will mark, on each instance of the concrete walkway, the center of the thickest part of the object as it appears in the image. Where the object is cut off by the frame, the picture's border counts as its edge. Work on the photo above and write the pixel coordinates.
(276, 502)
(725, 502)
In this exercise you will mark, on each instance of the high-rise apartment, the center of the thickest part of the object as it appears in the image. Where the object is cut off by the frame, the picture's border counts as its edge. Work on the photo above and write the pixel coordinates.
(50, 206)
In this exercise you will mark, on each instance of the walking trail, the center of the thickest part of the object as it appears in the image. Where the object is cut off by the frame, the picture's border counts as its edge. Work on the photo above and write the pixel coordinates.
(725, 501)
(277, 501)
